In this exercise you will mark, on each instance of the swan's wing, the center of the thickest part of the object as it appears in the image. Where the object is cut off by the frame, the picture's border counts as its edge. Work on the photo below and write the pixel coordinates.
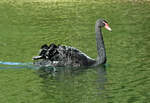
(71, 54)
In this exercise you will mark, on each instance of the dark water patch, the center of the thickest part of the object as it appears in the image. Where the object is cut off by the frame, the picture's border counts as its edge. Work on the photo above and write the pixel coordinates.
(67, 82)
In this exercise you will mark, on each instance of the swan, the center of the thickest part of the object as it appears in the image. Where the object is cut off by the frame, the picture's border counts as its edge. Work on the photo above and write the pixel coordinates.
(66, 56)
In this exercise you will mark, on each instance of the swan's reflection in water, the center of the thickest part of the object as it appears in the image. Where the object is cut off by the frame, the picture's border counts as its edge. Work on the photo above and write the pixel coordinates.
(78, 85)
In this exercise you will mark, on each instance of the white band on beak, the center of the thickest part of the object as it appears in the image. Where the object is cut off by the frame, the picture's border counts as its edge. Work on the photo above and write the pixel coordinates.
(108, 28)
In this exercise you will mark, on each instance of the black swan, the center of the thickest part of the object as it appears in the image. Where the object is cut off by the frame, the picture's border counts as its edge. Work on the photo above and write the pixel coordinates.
(66, 56)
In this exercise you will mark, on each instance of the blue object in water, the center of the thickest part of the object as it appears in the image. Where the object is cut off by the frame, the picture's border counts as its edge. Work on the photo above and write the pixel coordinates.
(13, 63)
(17, 65)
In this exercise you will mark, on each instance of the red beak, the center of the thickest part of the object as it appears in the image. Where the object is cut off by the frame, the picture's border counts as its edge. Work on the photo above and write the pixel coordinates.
(107, 27)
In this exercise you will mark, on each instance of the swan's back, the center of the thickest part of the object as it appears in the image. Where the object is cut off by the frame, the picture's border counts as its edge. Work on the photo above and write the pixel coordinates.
(65, 56)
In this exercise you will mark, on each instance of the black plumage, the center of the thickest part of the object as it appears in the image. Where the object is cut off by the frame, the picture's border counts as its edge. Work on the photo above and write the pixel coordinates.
(57, 55)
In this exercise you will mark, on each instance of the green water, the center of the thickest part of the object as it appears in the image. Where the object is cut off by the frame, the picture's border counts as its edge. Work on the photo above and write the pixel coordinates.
(25, 26)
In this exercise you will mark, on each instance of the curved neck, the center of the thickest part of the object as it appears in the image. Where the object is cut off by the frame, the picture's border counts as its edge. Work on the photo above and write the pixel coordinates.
(101, 59)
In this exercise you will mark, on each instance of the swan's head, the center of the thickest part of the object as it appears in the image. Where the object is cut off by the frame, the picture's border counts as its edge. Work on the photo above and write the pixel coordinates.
(103, 23)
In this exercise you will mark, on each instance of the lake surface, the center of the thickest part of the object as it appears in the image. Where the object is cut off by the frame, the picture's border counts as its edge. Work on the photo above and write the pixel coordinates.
(26, 25)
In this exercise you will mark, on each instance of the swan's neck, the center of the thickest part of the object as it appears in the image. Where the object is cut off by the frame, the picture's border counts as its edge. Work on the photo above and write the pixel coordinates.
(101, 59)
